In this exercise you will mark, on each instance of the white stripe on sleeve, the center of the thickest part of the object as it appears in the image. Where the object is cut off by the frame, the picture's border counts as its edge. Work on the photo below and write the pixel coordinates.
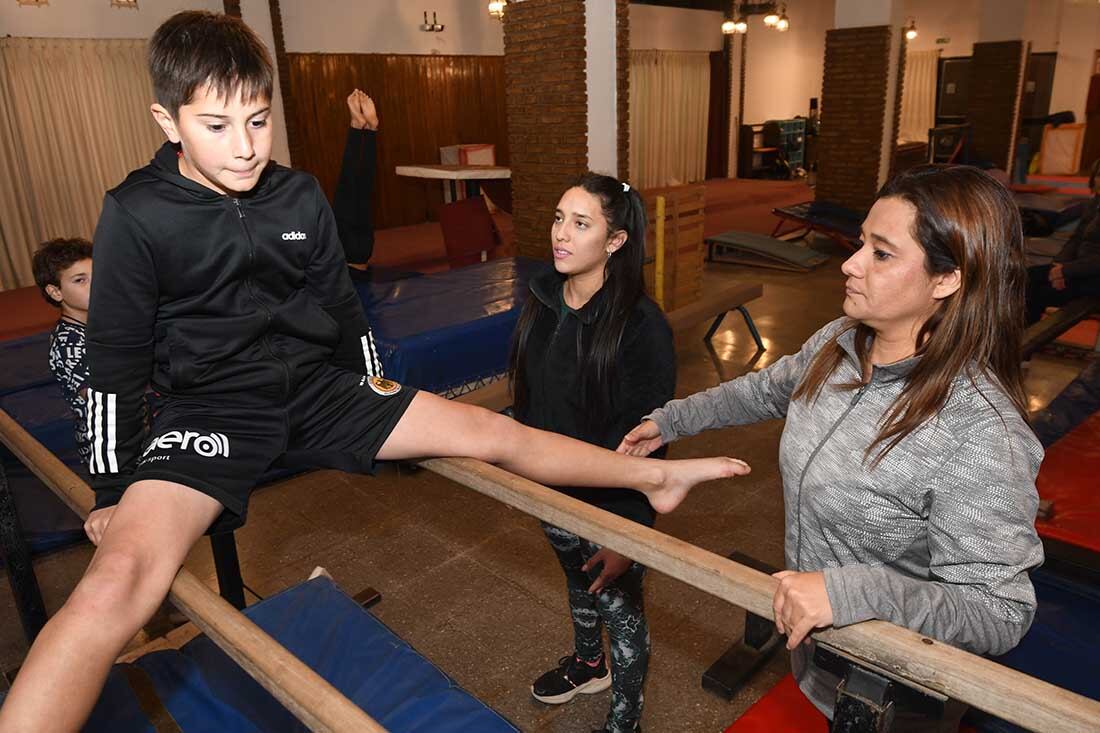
(112, 461)
(90, 421)
(365, 344)
(97, 465)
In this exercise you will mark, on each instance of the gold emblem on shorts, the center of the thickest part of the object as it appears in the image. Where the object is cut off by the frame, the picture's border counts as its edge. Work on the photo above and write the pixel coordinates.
(383, 386)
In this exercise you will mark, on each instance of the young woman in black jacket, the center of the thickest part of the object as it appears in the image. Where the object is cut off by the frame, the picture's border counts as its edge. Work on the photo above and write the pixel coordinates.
(591, 355)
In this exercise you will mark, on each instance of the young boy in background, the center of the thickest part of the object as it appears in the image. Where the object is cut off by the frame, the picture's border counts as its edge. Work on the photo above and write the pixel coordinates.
(63, 272)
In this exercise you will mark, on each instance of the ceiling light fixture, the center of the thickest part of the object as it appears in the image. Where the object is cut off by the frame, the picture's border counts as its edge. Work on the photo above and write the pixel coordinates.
(784, 23)
(496, 8)
(911, 29)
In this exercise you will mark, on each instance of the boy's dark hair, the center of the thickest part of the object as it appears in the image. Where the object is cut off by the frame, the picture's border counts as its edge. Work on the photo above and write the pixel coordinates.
(197, 47)
(54, 256)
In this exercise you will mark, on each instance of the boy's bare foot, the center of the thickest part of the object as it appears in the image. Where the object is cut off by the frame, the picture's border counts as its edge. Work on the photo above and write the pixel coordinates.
(368, 110)
(682, 475)
(358, 120)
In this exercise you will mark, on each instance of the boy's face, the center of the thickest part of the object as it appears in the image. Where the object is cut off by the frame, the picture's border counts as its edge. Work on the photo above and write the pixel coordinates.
(72, 293)
(226, 142)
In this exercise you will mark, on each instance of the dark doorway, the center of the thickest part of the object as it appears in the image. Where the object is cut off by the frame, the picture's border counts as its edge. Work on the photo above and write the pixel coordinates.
(718, 116)
(952, 90)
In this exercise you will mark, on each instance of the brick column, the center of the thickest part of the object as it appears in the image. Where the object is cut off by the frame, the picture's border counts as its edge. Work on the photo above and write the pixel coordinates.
(853, 115)
(622, 76)
(282, 66)
(993, 110)
(546, 102)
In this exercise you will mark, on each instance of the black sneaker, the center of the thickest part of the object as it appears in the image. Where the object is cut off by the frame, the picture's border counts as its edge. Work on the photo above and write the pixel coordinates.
(637, 729)
(570, 678)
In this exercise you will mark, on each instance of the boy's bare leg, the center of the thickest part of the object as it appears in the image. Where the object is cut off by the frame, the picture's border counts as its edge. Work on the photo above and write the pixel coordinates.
(143, 547)
(433, 426)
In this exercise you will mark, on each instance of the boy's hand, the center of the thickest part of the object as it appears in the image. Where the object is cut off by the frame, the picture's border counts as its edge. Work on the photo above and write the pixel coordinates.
(97, 524)
(642, 440)
(614, 565)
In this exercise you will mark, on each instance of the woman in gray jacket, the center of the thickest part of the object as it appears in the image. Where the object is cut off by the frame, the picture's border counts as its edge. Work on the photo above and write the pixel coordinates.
(908, 465)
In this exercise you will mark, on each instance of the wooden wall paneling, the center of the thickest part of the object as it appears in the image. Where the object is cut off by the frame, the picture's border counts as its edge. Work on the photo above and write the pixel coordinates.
(424, 103)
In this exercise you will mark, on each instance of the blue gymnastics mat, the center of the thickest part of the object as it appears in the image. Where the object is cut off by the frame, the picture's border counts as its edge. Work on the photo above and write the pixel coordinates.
(206, 692)
(1062, 647)
(25, 363)
(445, 331)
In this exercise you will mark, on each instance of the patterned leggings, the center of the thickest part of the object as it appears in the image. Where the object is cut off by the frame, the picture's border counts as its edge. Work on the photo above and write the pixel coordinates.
(618, 607)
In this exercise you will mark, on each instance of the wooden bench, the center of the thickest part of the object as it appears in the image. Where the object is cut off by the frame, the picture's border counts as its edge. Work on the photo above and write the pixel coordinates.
(1045, 331)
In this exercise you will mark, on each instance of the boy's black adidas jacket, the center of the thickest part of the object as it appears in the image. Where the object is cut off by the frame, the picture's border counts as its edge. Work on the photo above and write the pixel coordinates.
(204, 295)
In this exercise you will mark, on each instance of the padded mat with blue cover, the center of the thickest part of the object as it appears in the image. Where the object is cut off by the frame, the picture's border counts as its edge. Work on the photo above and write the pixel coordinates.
(441, 331)
(25, 363)
(205, 691)
(1062, 646)
(41, 410)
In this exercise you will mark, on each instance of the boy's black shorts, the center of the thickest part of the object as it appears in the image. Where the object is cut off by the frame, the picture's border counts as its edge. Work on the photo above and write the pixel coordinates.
(222, 446)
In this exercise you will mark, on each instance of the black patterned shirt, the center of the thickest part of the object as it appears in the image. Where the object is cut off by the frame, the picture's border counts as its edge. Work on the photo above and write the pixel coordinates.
(69, 368)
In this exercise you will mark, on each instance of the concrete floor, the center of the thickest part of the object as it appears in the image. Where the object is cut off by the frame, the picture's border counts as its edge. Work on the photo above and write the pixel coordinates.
(473, 584)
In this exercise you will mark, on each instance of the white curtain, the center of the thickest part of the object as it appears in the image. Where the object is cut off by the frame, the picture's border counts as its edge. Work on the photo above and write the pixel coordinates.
(669, 102)
(918, 96)
(74, 120)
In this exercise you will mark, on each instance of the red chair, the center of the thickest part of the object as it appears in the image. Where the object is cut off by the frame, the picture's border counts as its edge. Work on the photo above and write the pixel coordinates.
(469, 234)
(783, 708)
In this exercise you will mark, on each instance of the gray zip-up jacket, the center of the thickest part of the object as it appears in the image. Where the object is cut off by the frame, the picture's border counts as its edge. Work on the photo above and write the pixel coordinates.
(938, 537)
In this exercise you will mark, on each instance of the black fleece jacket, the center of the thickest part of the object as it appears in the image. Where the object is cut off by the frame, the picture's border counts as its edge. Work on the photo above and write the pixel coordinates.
(645, 379)
(205, 295)
(1080, 257)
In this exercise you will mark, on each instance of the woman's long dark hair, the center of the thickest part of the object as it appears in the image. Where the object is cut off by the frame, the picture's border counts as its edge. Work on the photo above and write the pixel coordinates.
(968, 221)
(623, 284)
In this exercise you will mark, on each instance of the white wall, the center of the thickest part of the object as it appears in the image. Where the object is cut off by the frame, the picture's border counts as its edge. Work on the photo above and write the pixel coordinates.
(1079, 37)
(390, 26)
(1070, 27)
(785, 69)
(675, 29)
(960, 21)
(88, 19)
(92, 18)
(257, 14)
(956, 20)
(864, 13)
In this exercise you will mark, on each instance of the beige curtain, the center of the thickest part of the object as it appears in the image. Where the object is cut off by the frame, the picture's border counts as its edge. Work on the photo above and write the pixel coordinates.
(669, 100)
(74, 120)
(918, 96)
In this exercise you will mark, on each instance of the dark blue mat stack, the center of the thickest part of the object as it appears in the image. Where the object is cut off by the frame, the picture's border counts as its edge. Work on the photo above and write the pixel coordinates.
(1062, 647)
(448, 332)
(206, 692)
(29, 394)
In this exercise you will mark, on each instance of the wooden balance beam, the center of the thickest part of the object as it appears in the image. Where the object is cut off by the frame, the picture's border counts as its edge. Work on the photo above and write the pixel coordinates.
(1041, 333)
(897, 651)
